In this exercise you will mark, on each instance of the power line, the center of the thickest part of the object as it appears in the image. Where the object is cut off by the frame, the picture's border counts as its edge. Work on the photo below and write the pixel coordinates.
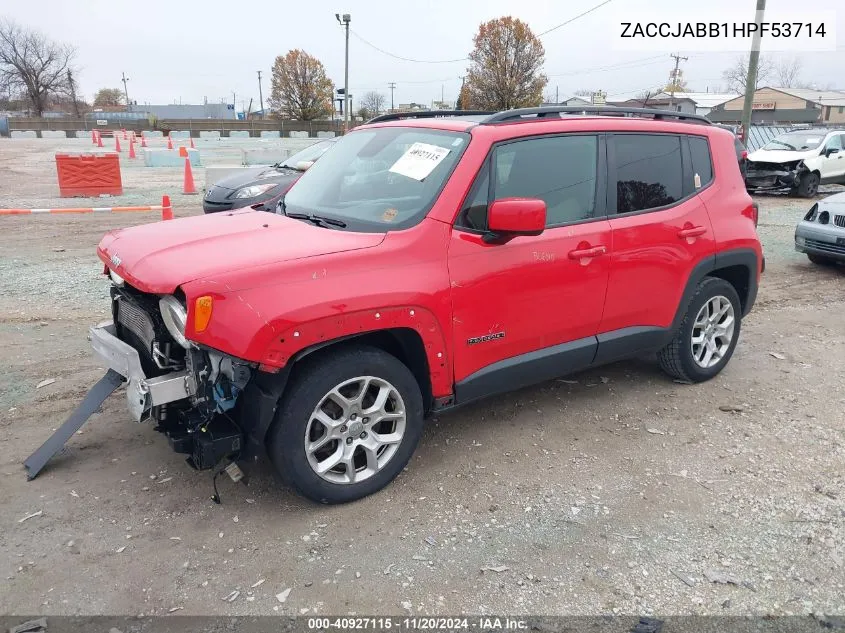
(463, 59)
(570, 20)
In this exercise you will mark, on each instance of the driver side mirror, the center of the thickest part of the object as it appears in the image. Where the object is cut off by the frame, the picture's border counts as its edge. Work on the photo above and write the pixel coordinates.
(831, 150)
(510, 217)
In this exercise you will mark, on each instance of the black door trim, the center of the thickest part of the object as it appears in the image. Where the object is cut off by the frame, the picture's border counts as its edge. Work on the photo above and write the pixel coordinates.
(527, 369)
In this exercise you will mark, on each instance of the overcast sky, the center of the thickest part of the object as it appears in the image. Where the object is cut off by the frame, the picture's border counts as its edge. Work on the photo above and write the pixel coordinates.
(186, 50)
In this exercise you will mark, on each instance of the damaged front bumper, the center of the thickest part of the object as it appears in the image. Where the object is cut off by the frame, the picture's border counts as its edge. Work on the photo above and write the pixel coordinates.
(142, 393)
(773, 178)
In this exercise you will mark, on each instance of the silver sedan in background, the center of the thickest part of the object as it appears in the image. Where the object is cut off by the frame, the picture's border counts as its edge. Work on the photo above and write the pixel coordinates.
(821, 234)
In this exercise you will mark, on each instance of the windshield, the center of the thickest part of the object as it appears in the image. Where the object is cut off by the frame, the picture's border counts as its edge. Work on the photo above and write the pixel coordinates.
(307, 155)
(380, 178)
(795, 141)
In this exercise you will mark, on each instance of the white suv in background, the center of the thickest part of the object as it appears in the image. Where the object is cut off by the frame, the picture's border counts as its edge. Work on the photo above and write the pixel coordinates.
(798, 162)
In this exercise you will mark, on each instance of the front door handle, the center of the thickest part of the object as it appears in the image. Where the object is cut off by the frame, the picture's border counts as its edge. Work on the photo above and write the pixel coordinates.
(593, 251)
(692, 231)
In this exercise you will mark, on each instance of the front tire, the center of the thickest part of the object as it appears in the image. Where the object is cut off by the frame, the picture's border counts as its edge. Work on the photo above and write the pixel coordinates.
(808, 185)
(820, 260)
(707, 337)
(347, 425)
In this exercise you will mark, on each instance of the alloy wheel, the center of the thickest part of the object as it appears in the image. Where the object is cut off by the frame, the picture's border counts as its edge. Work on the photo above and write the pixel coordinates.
(713, 331)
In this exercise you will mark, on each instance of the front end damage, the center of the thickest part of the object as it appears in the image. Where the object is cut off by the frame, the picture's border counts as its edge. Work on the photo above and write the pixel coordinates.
(192, 393)
(762, 176)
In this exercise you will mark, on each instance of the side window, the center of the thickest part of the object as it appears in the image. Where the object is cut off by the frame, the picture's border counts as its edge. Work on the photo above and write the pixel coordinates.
(474, 214)
(701, 164)
(649, 174)
(834, 142)
(561, 170)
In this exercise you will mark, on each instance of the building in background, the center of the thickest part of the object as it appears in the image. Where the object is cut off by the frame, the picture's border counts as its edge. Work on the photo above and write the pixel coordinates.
(569, 101)
(786, 106)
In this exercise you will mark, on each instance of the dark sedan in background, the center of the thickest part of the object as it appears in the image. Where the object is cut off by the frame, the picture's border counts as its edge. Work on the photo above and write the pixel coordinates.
(263, 188)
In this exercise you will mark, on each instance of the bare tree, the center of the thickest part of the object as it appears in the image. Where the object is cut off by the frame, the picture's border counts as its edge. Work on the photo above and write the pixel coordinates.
(506, 63)
(33, 65)
(583, 92)
(787, 73)
(300, 88)
(737, 75)
(371, 104)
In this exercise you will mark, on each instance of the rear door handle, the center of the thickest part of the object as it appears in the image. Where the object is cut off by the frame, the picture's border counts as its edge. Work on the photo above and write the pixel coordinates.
(693, 231)
(593, 251)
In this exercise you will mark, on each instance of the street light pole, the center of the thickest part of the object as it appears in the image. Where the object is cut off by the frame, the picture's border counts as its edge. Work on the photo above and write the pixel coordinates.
(344, 21)
(124, 79)
(751, 77)
(260, 95)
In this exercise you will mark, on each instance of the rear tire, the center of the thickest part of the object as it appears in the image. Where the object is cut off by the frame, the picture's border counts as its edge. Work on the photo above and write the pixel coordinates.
(331, 440)
(707, 336)
(808, 185)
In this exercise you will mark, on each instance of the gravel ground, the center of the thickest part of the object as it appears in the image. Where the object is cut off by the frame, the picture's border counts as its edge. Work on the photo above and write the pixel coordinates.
(612, 491)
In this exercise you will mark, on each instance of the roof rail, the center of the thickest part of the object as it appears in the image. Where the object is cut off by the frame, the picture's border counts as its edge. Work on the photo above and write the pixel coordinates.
(425, 114)
(532, 114)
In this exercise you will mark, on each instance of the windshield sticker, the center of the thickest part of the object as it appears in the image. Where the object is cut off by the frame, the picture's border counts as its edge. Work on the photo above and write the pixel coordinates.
(419, 161)
(389, 215)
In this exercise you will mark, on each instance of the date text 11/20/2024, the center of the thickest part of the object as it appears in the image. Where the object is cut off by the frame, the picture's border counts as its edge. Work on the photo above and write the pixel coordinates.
(417, 624)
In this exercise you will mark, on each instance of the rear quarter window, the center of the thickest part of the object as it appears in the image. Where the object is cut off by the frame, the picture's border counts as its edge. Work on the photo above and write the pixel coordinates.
(702, 166)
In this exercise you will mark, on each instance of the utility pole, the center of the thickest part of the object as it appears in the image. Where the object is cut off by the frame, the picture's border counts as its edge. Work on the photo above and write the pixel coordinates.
(751, 78)
(73, 93)
(344, 21)
(557, 95)
(234, 106)
(260, 95)
(124, 79)
(675, 76)
(392, 86)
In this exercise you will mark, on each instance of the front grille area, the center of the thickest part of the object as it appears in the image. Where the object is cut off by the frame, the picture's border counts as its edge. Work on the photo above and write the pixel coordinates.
(137, 321)
(827, 247)
(839, 220)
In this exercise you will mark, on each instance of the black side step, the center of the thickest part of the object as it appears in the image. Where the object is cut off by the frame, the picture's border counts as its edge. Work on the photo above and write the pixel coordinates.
(93, 400)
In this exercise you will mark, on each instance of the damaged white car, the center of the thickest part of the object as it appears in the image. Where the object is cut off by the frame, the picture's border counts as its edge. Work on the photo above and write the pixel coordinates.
(798, 162)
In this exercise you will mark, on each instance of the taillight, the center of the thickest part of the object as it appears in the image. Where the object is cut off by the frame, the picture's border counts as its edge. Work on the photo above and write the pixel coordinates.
(744, 154)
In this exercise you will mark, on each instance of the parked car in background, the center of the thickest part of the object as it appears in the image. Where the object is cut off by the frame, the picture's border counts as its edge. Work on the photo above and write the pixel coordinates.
(262, 189)
(821, 234)
(420, 265)
(798, 162)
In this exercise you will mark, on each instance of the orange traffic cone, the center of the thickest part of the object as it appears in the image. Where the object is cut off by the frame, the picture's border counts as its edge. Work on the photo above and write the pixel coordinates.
(132, 149)
(182, 151)
(124, 135)
(192, 143)
(99, 140)
(143, 141)
(116, 143)
(166, 209)
(169, 142)
(189, 178)
(94, 137)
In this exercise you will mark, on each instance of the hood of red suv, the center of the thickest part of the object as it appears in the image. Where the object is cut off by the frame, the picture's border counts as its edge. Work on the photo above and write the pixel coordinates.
(159, 257)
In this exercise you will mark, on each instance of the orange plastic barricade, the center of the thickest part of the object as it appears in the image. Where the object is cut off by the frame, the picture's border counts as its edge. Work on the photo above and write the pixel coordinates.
(88, 175)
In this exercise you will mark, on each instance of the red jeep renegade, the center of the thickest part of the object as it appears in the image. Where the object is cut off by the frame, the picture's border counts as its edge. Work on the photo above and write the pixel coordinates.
(426, 262)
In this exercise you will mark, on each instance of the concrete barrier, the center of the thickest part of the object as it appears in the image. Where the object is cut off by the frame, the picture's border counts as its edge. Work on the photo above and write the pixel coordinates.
(239, 134)
(270, 134)
(152, 134)
(298, 134)
(269, 156)
(180, 134)
(210, 134)
(325, 134)
(169, 158)
(53, 134)
(215, 174)
(23, 134)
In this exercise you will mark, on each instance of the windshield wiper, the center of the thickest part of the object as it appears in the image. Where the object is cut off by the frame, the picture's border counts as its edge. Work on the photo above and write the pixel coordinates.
(319, 220)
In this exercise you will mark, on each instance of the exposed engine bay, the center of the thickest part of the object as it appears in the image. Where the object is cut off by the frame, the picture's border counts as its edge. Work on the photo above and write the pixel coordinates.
(190, 392)
(774, 176)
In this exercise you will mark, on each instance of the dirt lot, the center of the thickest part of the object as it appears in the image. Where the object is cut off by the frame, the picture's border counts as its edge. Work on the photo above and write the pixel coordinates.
(613, 491)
